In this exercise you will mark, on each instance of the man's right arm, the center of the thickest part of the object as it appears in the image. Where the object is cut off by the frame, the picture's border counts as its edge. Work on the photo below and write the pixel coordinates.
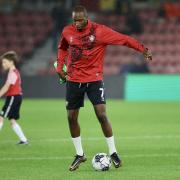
(61, 57)
(111, 37)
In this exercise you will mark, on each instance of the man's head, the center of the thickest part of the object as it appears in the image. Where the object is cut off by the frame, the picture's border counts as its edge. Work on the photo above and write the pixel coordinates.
(80, 17)
(9, 59)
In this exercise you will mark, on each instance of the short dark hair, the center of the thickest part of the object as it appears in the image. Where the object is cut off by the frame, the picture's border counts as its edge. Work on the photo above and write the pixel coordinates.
(11, 56)
(80, 8)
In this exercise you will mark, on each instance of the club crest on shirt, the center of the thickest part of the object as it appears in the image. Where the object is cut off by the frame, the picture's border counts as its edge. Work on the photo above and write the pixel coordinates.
(91, 38)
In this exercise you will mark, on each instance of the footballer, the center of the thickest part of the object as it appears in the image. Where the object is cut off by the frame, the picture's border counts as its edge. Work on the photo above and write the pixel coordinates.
(82, 48)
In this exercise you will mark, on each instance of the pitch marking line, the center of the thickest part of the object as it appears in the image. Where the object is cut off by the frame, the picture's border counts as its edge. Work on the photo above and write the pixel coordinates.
(68, 157)
(100, 138)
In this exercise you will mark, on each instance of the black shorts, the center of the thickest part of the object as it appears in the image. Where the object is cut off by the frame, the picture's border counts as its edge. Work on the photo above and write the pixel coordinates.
(11, 107)
(75, 93)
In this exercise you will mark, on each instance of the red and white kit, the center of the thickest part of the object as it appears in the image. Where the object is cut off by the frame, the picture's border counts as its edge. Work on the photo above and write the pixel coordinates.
(14, 79)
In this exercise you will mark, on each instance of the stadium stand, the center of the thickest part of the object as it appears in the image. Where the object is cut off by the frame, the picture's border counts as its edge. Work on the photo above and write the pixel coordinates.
(24, 31)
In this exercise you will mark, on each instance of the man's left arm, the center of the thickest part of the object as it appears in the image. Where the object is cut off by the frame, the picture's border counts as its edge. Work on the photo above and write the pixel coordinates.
(111, 37)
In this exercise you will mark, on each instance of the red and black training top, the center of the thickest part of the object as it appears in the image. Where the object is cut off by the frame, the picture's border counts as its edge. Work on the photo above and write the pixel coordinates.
(85, 50)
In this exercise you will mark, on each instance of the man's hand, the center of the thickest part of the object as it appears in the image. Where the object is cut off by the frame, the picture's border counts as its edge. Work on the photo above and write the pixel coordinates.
(147, 54)
(63, 74)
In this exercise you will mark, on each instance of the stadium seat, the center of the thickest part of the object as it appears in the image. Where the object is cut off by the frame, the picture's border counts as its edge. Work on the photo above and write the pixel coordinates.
(22, 31)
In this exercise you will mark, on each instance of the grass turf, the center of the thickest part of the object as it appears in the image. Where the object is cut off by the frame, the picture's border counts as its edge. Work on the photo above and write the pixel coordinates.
(147, 137)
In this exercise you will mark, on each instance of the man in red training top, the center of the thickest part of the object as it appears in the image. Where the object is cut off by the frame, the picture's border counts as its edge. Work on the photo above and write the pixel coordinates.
(13, 92)
(82, 46)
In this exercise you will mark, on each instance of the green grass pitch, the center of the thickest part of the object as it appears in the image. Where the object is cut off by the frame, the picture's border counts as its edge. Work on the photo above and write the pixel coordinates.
(147, 137)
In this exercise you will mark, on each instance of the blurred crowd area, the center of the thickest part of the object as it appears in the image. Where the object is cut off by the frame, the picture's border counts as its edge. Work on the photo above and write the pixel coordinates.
(26, 25)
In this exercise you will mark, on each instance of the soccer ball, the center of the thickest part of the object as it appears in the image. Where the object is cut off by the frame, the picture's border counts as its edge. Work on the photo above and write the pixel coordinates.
(101, 162)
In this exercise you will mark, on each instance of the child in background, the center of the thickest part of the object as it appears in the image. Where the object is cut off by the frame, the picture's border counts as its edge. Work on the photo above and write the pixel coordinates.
(13, 92)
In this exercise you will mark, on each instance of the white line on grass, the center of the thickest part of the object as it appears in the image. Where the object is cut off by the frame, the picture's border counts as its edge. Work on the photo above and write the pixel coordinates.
(68, 157)
(99, 138)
